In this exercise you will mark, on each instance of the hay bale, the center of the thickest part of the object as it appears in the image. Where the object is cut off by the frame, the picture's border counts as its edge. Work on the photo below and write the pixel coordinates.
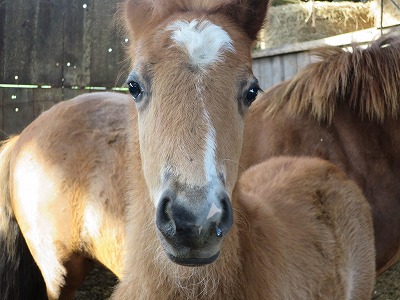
(305, 21)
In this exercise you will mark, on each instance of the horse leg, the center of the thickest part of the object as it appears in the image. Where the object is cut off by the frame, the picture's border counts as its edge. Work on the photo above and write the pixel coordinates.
(62, 273)
(50, 265)
(20, 277)
(77, 268)
(48, 247)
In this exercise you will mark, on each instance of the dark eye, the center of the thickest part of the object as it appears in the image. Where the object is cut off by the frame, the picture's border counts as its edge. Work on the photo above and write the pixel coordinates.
(251, 95)
(134, 89)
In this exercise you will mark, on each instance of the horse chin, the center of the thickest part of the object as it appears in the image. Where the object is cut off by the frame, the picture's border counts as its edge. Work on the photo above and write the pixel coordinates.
(192, 261)
(184, 253)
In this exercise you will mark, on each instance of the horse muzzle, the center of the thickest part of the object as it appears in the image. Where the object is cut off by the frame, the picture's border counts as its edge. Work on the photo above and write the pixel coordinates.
(192, 225)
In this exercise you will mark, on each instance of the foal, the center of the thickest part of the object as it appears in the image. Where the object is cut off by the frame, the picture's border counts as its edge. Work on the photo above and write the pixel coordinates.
(94, 177)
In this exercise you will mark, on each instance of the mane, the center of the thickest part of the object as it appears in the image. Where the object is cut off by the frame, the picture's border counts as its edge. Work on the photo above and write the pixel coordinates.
(367, 80)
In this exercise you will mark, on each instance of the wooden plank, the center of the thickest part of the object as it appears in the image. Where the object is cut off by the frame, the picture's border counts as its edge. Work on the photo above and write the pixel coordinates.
(17, 96)
(2, 134)
(303, 59)
(266, 78)
(256, 66)
(277, 74)
(42, 95)
(20, 32)
(77, 44)
(49, 44)
(17, 109)
(16, 117)
(43, 99)
(3, 9)
(107, 51)
(42, 106)
(342, 40)
(70, 93)
(290, 67)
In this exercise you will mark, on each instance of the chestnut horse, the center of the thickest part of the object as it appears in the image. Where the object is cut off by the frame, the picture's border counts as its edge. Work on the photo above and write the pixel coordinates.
(145, 187)
(343, 108)
(89, 170)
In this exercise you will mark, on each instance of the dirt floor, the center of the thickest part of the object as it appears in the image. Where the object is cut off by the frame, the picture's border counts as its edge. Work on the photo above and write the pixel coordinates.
(388, 285)
(99, 285)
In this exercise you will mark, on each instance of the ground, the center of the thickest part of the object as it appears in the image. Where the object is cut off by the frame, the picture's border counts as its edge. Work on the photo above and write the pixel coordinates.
(99, 285)
(388, 285)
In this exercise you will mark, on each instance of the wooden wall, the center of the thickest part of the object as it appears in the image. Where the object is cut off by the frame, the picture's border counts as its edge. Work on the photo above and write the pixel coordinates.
(63, 45)
(273, 69)
(60, 42)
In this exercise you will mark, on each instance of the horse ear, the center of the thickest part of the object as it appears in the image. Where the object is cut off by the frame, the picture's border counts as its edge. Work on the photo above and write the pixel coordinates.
(141, 14)
(249, 14)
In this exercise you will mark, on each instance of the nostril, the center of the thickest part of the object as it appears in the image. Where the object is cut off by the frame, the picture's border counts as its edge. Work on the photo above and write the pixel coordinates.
(162, 213)
(226, 220)
(163, 216)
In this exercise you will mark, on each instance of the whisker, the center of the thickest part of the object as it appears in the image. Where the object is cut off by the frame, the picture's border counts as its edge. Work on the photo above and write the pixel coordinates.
(242, 168)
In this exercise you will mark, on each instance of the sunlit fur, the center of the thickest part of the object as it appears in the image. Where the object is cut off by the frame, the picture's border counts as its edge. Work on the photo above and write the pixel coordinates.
(344, 108)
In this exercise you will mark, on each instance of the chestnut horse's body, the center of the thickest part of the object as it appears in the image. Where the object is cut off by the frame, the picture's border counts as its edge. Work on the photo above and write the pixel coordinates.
(344, 108)
(67, 187)
(145, 185)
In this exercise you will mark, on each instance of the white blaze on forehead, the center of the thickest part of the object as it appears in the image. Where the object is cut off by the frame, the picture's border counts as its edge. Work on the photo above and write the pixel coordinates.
(204, 41)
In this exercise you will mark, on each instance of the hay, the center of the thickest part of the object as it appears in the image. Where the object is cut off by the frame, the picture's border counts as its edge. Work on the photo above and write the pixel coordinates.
(292, 23)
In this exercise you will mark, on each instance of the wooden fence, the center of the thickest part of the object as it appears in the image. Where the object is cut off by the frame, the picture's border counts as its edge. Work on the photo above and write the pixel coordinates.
(51, 50)
(275, 65)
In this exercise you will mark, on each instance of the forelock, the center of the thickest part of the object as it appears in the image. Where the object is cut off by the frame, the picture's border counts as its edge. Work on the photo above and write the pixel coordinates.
(204, 41)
